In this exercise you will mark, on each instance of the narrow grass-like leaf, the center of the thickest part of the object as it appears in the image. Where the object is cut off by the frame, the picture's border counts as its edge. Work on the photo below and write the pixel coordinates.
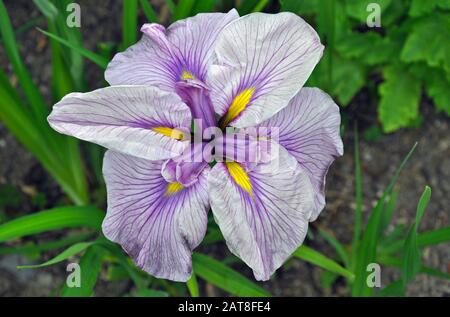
(48, 246)
(90, 267)
(71, 251)
(224, 277)
(129, 23)
(183, 9)
(412, 257)
(53, 219)
(309, 255)
(47, 8)
(192, 286)
(358, 201)
(367, 249)
(338, 247)
(35, 99)
(97, 59)
(388, 211)
(148, 11)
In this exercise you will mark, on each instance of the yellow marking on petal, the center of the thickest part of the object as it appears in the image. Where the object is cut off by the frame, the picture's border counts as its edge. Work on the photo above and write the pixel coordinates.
(187, 75)
(173, 188)
(240, 176)
(238, 105)
(173, 133)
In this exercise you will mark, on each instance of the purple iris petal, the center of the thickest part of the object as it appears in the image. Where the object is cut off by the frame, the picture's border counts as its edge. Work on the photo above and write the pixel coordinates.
(158, 227)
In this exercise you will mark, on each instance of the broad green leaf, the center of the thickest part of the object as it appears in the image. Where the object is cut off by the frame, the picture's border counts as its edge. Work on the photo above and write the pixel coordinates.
(53, 219)
(421, 7)
(316, 258)
(367, 249)
(97, 59)
(428, 41)
(437, 87)
(411, 256)
(90, 267)
(71, 251)
(192, 286)
(369, 48)
(358, 9)
(215, 272)
(129, 23)
(400, 95)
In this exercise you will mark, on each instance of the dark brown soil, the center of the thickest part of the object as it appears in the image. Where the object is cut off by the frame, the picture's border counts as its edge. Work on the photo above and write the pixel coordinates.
(430, 165)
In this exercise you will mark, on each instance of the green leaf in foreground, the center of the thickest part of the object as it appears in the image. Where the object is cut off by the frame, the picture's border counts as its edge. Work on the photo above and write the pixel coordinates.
(53, 219)
(71, 251)
(222, 276)
(309, 255)
(192, 286)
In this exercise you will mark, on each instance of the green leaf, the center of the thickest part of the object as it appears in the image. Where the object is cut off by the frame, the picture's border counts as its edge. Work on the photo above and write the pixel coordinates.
(358, 8)
(412, 256)
(71, 251)
(300, 7)
(35, 99)
(149, 293)
(129, 23)
(388, 211)
(193, 286)
(183, 9)
(90, 267)
(428, 41)
(215, 272)
(358, 201)
(148, 11)
(338, 247)
(204, 6)
(367, 249)
(48, 246)
(316, 258)
(400, 95)
(420, 7)
(53, 219)
(369, 48)
(437, 87)
(97, 59)
(47, 8)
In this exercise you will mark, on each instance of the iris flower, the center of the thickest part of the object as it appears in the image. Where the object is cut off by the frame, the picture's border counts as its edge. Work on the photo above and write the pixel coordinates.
(223, 71)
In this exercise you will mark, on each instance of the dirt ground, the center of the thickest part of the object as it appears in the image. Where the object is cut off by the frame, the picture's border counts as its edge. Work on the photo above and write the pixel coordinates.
(430, 165)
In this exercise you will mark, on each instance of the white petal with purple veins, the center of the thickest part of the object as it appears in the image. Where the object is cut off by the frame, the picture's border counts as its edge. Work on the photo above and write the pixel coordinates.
(125, 119)
(262, 62)
(263, 211)
(309, 129)
(163, 57)
(156, 223)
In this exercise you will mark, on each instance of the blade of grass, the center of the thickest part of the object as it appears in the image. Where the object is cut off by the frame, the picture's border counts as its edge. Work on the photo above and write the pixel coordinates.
(309, 255)
(53, 219)
(338, 247)
(412, 255)
(224, 277)
(42, 247)
(358, 201)
(95, 58)
(367, 249)
(38, 106)
(71, 251)
(148, 11)
(129, 23)
(90, 267)
(183, 9)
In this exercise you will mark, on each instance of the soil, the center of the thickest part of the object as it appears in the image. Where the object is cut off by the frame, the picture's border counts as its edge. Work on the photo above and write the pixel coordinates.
(430, 165)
